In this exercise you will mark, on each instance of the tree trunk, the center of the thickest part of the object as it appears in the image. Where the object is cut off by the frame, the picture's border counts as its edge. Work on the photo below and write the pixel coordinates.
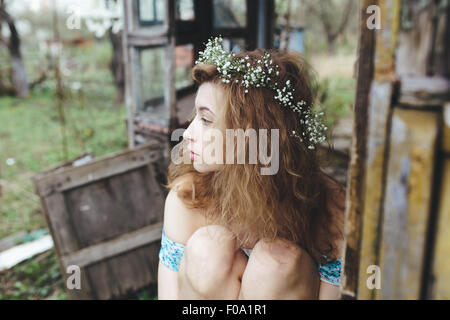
(117, 66)
(331, 44)
(325, 12)
(18, 73)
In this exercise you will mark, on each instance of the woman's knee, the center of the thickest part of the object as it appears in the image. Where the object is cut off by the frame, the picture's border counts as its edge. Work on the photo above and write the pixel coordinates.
(280, 270)
(209, 256)
(282, 258)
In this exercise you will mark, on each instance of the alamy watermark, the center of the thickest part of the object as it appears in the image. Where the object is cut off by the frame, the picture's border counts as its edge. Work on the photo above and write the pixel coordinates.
(374, 280)
(212, 148)
(74, 280)
(374, 20)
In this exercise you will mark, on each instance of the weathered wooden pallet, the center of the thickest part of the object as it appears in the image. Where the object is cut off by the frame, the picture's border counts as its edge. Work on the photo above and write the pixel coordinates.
(106, 218)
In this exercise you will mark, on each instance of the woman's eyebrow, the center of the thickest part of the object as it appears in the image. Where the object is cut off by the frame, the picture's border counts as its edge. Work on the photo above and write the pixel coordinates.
(200, 108)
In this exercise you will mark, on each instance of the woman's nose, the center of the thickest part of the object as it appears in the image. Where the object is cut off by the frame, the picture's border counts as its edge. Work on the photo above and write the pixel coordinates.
(187, 134)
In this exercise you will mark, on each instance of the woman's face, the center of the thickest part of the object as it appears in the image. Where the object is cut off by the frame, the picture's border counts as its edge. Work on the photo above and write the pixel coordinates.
(203, 127)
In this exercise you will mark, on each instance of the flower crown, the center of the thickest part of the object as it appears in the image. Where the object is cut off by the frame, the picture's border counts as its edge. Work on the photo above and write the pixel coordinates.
(263, 74)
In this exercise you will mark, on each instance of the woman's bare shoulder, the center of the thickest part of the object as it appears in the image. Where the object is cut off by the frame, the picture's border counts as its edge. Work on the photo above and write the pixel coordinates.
(180, 222)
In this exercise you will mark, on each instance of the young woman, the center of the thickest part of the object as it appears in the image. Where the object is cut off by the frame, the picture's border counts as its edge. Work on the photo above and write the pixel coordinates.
(231, 232)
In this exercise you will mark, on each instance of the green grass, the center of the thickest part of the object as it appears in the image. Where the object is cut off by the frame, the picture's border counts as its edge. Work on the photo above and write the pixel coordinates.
(30, 132)
(38, 278)
(336, 98)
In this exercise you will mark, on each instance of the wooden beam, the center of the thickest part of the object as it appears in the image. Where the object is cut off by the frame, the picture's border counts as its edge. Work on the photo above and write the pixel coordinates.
(422, 91)
(150, 32)
(423, 46)
(114, 247)
(147, 42)
(127, 56)
(407, 202)
(64, 239)
(169, 88)
(441, 255)
(373, 188)
(354, 202)
(97, 169)
(387, 40)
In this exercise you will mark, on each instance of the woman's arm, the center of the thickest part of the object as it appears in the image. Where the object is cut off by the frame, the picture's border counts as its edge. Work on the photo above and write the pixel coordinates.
(328, 291)
(167, 283)
(179, 224)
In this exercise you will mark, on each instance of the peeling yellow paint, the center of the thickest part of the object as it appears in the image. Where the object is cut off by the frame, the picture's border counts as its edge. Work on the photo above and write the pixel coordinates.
(387, 39)
(409, 187)
(371, 214)
(441, 266)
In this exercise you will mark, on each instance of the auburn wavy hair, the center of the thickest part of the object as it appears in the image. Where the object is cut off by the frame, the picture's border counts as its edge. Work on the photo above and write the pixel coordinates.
(296, 203)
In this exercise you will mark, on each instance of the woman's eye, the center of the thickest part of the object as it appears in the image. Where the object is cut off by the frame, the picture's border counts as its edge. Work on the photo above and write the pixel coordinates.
(206, 122)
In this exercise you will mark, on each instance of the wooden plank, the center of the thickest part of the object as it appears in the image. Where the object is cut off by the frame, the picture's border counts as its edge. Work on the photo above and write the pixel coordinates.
(415, 39)
(107, 209)
(59, 223)
(128, 272)
(149, 32)
(129, 102)
(64, 239)
(67, 209)
(407, 202)
(132, 7)
(103, 281)
(378, 129)
(169, 88)
(440, 62)
(147, 42)
(354, 204)
(134, 58)
(441, 260)
(386, 41)
(137, 268)
(108, 249)
(98, 169)
(446, 129)
(420, 91)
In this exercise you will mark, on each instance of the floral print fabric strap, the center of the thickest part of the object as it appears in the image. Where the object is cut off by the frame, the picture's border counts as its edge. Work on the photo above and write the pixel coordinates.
(171, 252)
(331, 272)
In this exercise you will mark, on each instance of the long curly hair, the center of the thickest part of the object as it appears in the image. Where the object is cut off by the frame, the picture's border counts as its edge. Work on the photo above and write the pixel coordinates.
(295, 203)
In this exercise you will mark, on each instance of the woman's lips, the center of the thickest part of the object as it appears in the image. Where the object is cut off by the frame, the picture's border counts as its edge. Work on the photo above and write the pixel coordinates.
(193, 155)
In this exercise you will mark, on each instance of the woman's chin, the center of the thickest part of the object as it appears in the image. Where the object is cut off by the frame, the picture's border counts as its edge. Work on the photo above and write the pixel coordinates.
(203, 167)
(198, 167)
